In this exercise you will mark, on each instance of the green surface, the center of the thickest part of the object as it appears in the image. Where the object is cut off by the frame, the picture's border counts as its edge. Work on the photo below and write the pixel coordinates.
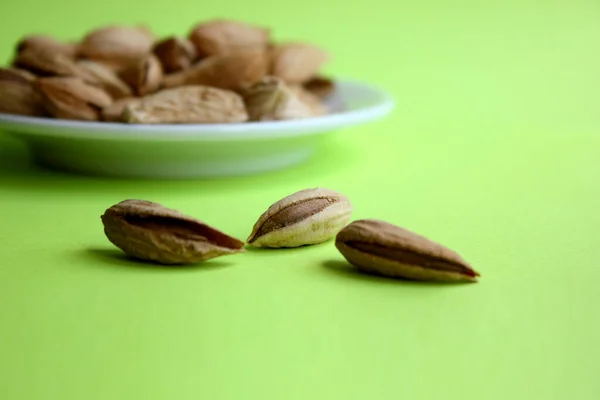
(493, 151)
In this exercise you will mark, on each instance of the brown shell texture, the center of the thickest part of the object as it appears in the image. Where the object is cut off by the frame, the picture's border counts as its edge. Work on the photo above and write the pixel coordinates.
(297, 62)
(144, 75)
(175, 54)
(234, 71)
(271, 99)
(219, 37)
(379, 247)
(17, 93)
(47, 42)
(72, 98)
(102, 76)
(306, 217)
(187, 104)
(149, 231)
(115, 45)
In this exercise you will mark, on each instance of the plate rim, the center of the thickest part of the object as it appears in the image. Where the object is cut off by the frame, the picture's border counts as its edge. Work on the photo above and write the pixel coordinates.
(24, 125)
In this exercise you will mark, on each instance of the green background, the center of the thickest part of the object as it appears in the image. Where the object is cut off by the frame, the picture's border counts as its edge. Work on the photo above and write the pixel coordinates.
(492, 150)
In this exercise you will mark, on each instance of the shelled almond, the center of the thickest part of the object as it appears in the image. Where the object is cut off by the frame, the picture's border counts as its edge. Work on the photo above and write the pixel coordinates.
(112, 70)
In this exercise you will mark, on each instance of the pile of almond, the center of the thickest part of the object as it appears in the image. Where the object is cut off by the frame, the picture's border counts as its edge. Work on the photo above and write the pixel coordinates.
(224, 71)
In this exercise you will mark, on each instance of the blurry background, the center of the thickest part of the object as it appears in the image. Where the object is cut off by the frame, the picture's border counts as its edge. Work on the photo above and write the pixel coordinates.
(492, 150)
(488, 64)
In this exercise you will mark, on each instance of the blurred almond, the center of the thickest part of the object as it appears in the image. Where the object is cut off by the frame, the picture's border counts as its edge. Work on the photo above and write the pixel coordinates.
(16, 74)
(235, 71)
(17, 94)
(272, 99)
(72, 98)
(114, 112)
(47, 42)
(175, 54)
(221, 36)
(297, 62)
(116, 46)
(320, 86)
(46, 62)
(144, 75)
(106, 79)
(312, 101)
(188, 104)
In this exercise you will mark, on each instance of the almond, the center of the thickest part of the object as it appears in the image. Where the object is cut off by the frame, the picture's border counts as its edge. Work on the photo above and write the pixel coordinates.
(16, 74)
(46, 62)
(17, 94)
(272, 99)
(104, 77)
(220, 37)
(378, 247)
(144, 75)
(72, 98)
(116, 46)
(175, 54)
(47, 42)
(297, 62)
(307, 217)
(187, 104)
(234, 71)
(150, 231)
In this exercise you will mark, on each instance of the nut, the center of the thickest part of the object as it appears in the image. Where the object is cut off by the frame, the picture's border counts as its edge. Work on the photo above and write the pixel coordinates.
(219, 37)
(116, 46)
(47, 42)
(17, 94)
(16, 74)
(306, 217)
(72, 98)
(198, 104)
(152, 232)
(144, 75)
(175, 54)
(272, 99)
(104, 77)
(297, 62)
(46, 62)
(234, 71)
(379, 247)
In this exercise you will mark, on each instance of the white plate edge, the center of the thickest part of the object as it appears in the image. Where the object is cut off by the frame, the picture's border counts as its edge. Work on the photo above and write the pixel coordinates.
(21, 125)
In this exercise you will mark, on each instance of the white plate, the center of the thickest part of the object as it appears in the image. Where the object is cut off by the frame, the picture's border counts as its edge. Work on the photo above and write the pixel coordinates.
(189, 151)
